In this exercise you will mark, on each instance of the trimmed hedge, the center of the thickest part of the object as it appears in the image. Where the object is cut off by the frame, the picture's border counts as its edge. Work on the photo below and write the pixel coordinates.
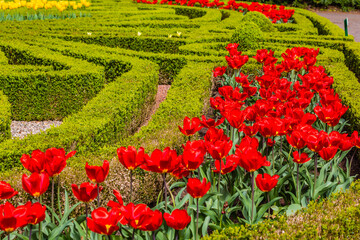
(337, 217)
(114, 113)
(5, 117)
(42, 95)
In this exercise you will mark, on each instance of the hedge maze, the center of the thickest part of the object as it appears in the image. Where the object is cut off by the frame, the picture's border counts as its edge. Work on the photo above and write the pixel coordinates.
(99, 74)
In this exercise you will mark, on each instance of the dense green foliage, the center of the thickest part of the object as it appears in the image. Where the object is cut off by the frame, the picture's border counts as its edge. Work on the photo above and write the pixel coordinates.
(248, 36)
(344, 4)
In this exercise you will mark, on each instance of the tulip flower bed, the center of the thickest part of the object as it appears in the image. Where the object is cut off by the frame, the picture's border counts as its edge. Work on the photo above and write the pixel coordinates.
(41, 10)
(275, 136)
(276, 15)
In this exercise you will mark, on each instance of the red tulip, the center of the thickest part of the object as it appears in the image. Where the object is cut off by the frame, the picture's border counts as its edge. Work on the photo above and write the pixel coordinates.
(178, 219)
(86, 192)
(331, 114)
(296, 139)
(208, 123)
(180, 171)
(6, 191)
(149, 220)
(219, 71)
(161, 161)
(196, 188)
(130, 158)
(118, 204)
(104, 222)
(233, 49)
(328, 153)
(35, 163)
(97, 173)
(355, 139)
(300, 159)
(229, 166)
(236, 61)
(132, 212)
(12, 218)
(193, 155)
(56, 160)
(190, 127)
(266, 183)
(219, 149)
(36, 184)
(35, 212)
(251, 160)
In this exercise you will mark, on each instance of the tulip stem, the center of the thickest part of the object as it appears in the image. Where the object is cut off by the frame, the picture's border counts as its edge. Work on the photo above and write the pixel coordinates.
(219, 179)
(86, 216)
(133, 234)
(297, 181)
(252, 196)
(30, 231)
(153, 235)
(273, 156)
(197, 218)
(315, 175)
(58, 196)
(131, 183)
(52, 199)
(268, 199)
(165, 190)
(176, 234)
(9, 236)
(40, 232)
(98, 194)
(109, 236)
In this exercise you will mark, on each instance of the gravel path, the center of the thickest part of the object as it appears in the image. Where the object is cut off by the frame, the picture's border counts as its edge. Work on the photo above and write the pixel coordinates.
(19, 129)
(339, 17)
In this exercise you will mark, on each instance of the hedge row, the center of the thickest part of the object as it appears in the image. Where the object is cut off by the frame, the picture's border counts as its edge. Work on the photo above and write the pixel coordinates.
(42, 95)
(337, 217)
(5, 117)
(114, 113)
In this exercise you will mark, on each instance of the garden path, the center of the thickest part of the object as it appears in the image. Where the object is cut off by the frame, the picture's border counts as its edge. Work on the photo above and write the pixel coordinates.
(339, 17)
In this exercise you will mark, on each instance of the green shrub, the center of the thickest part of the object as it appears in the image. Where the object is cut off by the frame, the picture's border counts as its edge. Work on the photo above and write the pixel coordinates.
(260, 20)
(5, 117)
(248, 36)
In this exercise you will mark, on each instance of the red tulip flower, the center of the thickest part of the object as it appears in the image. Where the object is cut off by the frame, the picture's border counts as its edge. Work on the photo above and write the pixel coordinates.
(331, 114)
(180, 171)
(36, 184)
(196, 188)
(178, 219)
(56, 160)
(161, 161)
(130, 158)
(209, 123)
(296, 139)
(12, 218)
(86, 192)
(300, 159)
(137, 216)
(35, 212)
(104, 222)
(97, 174)
(219, 71)
(266, 182)
(35, 163)
(190, 127)
(193, 155)
(355, 139)
(236, 61)
(149, 220)
(328, 153)
(232, 48)
(6, 191)
(118, 204)
(229, 166)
